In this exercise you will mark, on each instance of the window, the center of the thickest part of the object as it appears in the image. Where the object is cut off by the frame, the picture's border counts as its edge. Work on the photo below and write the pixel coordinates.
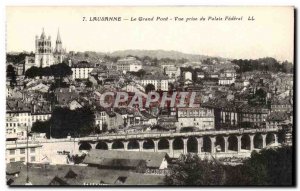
(12, 152)
(32, 159)
(22, 151)
(12, 160)
(32, 150)
(22, 159)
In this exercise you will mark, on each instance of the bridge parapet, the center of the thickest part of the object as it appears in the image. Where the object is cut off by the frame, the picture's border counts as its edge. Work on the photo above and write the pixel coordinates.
(154, 135)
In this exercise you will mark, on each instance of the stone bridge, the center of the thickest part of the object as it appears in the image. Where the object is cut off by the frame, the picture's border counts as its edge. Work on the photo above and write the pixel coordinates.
(238, 142)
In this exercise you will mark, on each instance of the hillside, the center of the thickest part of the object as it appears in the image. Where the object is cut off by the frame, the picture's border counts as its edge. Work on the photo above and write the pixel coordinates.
(159, 54)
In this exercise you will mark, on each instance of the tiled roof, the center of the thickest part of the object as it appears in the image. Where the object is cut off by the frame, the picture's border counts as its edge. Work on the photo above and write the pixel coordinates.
(277, 116)
(17, 106)
(83, 64)
(44, 175)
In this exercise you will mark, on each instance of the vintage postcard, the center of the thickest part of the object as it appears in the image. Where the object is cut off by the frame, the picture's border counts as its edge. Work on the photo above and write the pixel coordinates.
(156, 96)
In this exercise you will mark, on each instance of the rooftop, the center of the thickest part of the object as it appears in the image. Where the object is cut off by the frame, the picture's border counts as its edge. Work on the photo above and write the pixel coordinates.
(80, 175)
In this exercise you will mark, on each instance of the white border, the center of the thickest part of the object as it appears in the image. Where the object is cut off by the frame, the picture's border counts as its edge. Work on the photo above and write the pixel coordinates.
(4, 3)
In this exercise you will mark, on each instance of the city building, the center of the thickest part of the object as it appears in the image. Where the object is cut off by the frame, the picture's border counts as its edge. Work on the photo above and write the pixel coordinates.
(41, 112)
(18, 116)
(227, 77)
(172, 71)
(129, 64)
(17, 151)
(82, 70)
(160, 82)
(200, 118)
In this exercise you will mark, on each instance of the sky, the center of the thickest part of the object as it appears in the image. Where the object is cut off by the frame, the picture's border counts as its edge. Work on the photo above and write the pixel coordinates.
(271, 34)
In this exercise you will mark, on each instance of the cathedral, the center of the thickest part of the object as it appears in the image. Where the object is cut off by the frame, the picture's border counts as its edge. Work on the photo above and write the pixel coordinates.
(45, 56)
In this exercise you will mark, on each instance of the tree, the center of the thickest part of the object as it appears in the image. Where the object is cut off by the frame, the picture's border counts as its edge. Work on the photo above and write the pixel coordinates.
(149, 88)
(89, 84)
(58, 84)
(74, 122)
(47, 71)
(104, 127)
(287, 67)
(268, 167)
(141, 73)
(17, 58)
(191, 170)
(41, 127)
(58, 70)
(171, 86)
(33, 72)
(76, 158)
(11, 74)
(263, 64)
(259, 98)
(61, 70)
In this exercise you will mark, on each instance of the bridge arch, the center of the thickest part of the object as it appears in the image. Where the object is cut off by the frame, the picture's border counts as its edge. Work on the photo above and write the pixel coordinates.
(245, 142)
(163, 144)
(233, 143)
(117, 145)
(206, 144)
(192, 145)
(133, 144)
(258, 141)
(178, 143)
(85, 146)
(102, 145)
(270, 138)
(148, 144)
(220, 143)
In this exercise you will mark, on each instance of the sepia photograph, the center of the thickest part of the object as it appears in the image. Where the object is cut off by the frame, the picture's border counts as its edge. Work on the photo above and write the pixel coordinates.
(163, 96)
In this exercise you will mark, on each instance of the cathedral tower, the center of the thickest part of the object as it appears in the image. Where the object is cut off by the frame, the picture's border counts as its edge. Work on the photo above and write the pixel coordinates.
(58, 51)
(43, 51)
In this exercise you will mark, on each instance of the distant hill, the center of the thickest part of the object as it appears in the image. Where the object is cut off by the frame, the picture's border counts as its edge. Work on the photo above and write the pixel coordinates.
(93, 56)
(159, 54)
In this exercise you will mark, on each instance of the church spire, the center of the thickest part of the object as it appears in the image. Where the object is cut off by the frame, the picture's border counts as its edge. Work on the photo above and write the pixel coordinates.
(58, 39)
(43, 35)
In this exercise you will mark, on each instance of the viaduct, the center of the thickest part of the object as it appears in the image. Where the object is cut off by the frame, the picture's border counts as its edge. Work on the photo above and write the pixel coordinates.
(222, 142)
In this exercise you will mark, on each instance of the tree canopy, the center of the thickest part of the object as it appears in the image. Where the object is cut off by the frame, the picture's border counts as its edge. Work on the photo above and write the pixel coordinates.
(191, 170)
(58, 70)
(139, 73)
(42, 127)
(78, 122)
(11, 74)
(149, 88)
(268, 167)
(272, 166)
(17, 58)
(263, 64)
(259, 98)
